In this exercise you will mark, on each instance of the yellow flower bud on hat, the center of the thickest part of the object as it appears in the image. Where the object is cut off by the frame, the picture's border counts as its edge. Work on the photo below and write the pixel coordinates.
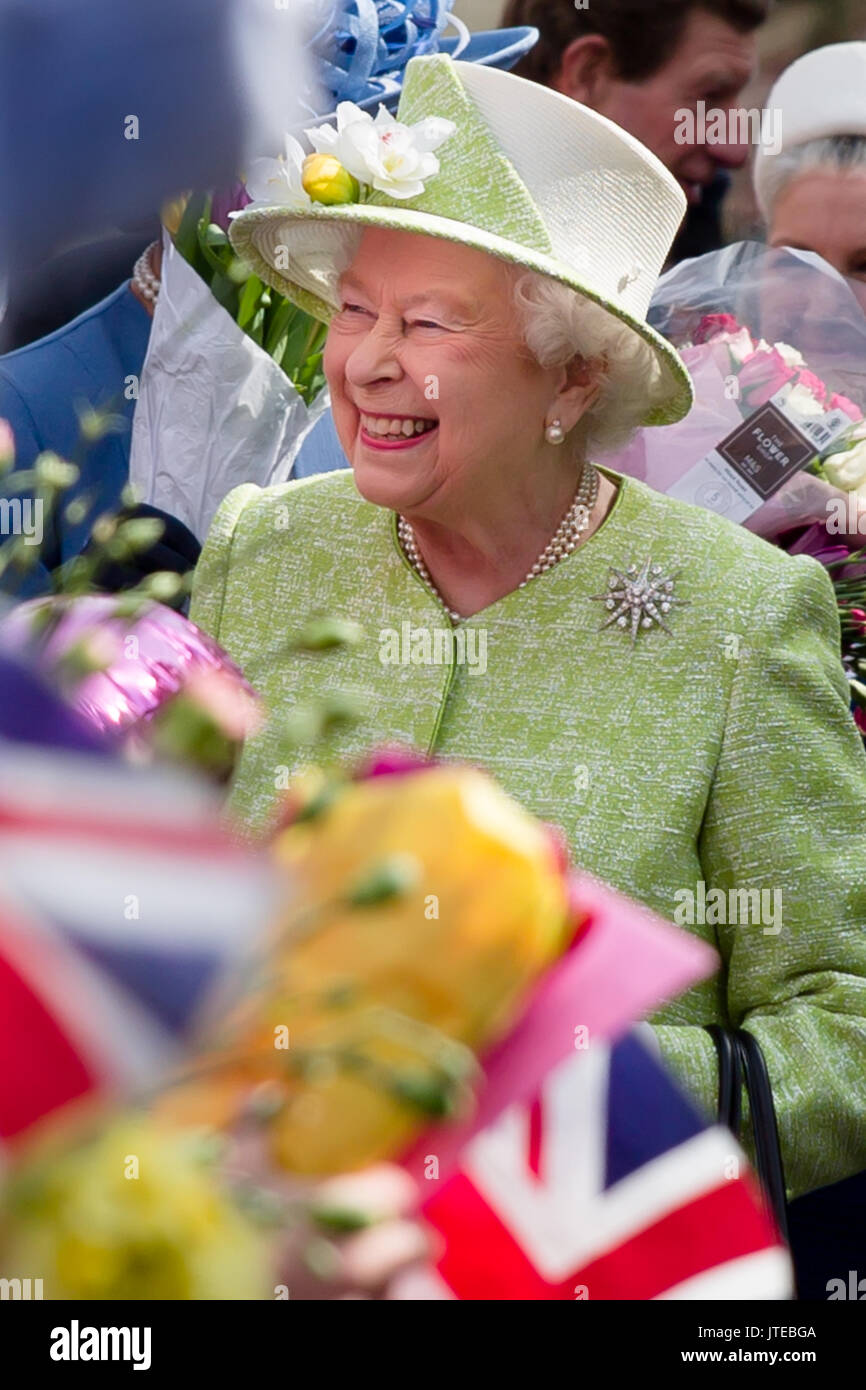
(327, 181)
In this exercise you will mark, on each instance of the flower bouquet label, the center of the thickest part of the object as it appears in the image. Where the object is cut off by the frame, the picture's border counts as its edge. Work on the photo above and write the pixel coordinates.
(752, 462)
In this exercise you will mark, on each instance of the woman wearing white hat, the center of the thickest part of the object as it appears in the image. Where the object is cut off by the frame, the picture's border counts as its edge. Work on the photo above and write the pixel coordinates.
(812, 193)
(630, 667)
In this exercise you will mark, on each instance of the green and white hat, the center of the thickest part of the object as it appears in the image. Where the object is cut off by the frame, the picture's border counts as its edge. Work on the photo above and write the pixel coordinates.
(520, 171)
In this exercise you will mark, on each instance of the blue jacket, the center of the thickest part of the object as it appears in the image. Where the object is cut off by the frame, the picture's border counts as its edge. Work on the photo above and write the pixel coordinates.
(321, 451)
(89, 360)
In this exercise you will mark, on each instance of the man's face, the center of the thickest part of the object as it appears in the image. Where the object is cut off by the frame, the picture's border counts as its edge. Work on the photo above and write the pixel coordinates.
(712, 63)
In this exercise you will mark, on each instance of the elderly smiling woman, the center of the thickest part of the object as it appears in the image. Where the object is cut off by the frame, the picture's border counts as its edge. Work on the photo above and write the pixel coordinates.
(813, 192)
(661, 684)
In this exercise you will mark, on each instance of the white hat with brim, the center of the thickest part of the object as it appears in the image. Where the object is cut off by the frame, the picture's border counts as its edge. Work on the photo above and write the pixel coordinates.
(820, 95)
(528, 176)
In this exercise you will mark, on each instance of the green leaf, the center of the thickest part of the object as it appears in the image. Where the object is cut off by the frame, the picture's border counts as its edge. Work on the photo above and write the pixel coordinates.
(342, 1220)
(278, 328)
(215, 236)
(256, 328)
(140, 533)
(392, 877)
(187, 239)
(249, 301)
(318, 634)
(226, 292)
(216, 259)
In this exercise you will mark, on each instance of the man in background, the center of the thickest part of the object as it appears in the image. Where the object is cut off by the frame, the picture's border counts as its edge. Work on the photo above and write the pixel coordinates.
(642, 63)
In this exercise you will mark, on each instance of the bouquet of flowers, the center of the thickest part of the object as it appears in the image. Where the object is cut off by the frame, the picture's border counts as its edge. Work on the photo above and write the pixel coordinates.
(428, 957)
(419, 918)
(776, 435)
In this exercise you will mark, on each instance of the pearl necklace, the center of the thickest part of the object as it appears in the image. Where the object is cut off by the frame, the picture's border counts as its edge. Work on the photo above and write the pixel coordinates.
(564, 540)
(143, 277)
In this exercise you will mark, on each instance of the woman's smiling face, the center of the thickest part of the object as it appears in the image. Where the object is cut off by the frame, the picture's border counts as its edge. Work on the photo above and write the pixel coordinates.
(434, 394)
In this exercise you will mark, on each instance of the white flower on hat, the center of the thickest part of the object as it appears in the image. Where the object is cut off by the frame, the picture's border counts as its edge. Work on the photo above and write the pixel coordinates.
(391, 157)
(277, 182)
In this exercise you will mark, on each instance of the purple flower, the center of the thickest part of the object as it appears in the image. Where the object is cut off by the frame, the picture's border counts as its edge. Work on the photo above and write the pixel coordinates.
(227, 200)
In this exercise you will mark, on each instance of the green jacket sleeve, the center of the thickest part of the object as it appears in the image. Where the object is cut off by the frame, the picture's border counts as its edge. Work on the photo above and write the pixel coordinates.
(787, 815)
(210, 580)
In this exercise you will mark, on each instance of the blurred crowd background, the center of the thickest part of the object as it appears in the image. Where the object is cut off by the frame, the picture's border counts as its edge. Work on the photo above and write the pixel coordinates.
(81, 275)
(793, 28)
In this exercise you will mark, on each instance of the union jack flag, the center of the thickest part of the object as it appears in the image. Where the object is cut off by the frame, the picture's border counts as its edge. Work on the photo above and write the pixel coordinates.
(606, 1185)
(124, 912)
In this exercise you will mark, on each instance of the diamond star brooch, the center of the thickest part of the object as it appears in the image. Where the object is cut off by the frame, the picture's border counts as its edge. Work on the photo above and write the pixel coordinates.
(639, 597)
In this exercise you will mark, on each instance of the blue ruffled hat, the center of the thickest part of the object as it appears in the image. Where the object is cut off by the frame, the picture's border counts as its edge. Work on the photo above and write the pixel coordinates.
(361, 47)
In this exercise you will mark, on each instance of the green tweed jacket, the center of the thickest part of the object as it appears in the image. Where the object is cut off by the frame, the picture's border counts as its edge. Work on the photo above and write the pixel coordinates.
(684, 768)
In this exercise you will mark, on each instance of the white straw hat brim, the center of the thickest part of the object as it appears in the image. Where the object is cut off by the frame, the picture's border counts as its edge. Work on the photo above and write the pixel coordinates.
(528, 176)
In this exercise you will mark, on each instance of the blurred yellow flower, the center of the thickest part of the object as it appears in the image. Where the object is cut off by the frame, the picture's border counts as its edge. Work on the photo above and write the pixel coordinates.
(419, 908)
(132, 1213)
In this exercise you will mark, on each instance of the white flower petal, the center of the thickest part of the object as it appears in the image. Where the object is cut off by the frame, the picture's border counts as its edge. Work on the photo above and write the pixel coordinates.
(275, 183)
(359, 152)
(398, 190)
(385, 120)
(324, 139)
(429, 134)
(428, 166)
(350, 114)
(295, 154)
(801, 401)
(789, 355)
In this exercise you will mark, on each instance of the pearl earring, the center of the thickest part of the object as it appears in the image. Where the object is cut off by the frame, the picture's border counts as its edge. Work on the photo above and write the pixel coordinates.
(554, 434)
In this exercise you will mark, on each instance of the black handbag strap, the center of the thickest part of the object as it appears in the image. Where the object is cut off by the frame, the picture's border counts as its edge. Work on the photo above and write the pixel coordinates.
(741, 1060)
(730, 1078)
(768, 1149)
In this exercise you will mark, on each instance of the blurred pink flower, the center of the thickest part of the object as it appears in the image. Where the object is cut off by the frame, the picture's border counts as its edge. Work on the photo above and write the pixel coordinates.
(762, 376)
(853, 411)
(812, 383)
(230, 703)
(713, 324)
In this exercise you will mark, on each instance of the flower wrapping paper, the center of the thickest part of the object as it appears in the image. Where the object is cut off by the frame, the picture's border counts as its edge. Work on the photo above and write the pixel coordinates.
(214, 409)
